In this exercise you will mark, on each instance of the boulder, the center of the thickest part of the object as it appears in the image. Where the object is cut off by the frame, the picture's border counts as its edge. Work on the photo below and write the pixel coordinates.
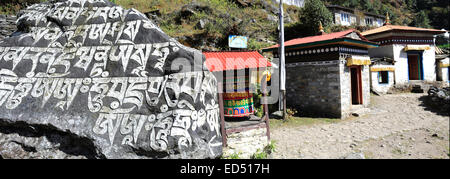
(440, 98)
(89, 79)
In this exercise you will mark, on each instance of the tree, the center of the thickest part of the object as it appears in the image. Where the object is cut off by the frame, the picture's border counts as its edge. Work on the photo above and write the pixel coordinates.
(312, 13)
(368, 6)
(422, 20)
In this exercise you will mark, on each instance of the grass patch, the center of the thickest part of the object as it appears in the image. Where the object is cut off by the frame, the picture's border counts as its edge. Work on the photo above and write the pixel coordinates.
(301, 121)
(234, 156)
(269, 149)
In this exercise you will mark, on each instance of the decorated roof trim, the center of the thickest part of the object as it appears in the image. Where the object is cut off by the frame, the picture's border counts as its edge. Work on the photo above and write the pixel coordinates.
(327, 42)
(388, 28)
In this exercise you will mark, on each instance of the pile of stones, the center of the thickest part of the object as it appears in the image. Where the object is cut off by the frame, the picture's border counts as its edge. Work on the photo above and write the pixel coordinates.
(440, 97)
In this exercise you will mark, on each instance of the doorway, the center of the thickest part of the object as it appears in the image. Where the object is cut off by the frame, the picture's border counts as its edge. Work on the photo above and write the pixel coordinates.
(415, 67)
(356, 80)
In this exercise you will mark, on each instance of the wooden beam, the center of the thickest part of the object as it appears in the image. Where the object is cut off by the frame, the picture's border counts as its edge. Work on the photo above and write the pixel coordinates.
(222, 116)
(266, 106)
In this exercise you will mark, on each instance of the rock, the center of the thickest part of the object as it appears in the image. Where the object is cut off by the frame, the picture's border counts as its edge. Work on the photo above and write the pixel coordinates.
(355, 156)
(243, 3)
(192, 8)
(272, 18)
(417, 89)
(440, 98)
(154, 16)
(107, 85)
(277, 114)
(202, 23)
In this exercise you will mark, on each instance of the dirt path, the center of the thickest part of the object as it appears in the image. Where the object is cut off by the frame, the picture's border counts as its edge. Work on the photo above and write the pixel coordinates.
(398, 126)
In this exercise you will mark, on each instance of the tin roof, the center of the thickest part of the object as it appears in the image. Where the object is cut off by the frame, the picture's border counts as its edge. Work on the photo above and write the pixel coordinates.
(404, 28)
(224, 61)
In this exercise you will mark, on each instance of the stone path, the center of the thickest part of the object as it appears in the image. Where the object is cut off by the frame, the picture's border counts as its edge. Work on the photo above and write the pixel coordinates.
(398, 126)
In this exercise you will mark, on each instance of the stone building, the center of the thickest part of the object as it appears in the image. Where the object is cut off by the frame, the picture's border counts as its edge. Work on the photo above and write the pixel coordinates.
(348, 16)
(328, 75)
(411, 48)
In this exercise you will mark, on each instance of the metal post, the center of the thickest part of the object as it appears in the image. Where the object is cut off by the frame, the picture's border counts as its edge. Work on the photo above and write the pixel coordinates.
(282, 63)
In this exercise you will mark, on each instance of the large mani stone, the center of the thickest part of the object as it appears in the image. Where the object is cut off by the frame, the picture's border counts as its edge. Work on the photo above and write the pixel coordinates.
(92, 71)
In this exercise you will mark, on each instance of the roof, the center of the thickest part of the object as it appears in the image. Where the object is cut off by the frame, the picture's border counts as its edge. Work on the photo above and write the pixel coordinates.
(224, 61)
(397, 27)
(353, 10)
(326, 38)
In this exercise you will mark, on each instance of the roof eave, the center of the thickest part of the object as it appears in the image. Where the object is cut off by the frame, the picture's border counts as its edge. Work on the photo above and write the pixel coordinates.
(390, 30)
(332, 41)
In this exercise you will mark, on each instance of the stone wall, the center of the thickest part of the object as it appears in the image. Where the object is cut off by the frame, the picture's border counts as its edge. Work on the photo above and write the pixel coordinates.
(7, 25)
(247, 142)
(314, 88)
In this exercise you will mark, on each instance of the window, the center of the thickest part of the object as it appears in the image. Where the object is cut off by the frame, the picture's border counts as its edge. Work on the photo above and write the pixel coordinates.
(383, 77)
(345, 19)
(369, 22)
(380, 22)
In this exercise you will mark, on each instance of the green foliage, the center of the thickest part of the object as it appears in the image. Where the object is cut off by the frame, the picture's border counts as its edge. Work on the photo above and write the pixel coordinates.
(422, 20)
(445, 46)
(259, 155)
(234, 156)
(253, 44)
(258, 105)
(269, 149)
(314, 12)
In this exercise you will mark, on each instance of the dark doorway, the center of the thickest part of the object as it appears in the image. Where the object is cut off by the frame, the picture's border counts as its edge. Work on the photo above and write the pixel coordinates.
(414, 67)
(357, 98)
(383, 77)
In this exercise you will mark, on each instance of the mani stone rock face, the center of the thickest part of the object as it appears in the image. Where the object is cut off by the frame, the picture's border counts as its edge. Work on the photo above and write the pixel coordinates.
(111, 80)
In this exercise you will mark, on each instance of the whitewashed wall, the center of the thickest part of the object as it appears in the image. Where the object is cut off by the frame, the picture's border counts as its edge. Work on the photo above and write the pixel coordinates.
(401, 62)
(444, 71)
(381, 88)
(401, 65)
